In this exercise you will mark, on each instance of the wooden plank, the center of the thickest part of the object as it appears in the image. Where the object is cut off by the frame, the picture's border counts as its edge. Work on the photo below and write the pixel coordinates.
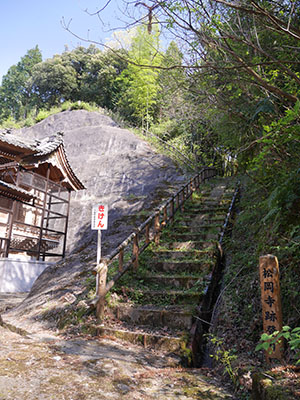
(270, 300)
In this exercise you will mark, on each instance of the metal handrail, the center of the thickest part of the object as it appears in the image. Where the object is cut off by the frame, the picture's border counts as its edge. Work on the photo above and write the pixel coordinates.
(151, 230)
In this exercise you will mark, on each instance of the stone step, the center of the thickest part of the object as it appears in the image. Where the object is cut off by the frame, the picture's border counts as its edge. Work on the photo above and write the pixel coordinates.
(184, 254)
(163, 296)
(163, 342)
(178, 281)
(178, 266)
(185, 245)
(195, 237)
(194, 227)
(205, 210)
(200, 217)
(174, 317)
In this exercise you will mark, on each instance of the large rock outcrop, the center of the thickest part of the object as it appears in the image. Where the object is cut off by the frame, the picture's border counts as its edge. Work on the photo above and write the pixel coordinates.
(116, 167)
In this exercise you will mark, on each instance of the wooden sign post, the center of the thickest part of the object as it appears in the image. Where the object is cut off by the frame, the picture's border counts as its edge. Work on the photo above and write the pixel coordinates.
(271, 302)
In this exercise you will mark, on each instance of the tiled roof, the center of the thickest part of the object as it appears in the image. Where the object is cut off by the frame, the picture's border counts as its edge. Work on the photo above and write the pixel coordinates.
(17, 141)
(15, 192)
(36, 151)
(48, 145)
(38, 147)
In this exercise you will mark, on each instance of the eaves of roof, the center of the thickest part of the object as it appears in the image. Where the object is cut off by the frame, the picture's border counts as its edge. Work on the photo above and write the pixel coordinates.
(15, 192)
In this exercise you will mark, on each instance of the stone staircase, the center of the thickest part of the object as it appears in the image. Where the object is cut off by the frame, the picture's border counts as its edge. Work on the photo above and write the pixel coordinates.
(159, 304)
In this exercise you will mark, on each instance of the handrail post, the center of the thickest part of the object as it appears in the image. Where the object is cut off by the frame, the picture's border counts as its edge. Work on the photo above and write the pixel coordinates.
(101, 291)
(177, 201)
(165, 216)
(147, 234)
(135, 252)
(172, 210)
(156, 228)
(121, 260)
(182, 200)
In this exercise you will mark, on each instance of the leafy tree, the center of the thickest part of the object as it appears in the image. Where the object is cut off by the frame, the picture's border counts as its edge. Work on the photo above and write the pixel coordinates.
(171, 80)
(54, 81)
(100, 81)
(85, 74)
(16, 94)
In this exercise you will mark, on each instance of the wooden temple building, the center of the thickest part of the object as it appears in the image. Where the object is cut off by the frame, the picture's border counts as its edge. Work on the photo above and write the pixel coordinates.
(36, 181)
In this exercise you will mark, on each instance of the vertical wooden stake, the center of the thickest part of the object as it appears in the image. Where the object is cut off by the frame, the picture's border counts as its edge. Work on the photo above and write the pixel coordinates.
(172, 210)
(270, 300)
(135, 252)
(156, 229)
(121, 260)
(101, 291)
(182, 201)
(165, 216)
(147, 233)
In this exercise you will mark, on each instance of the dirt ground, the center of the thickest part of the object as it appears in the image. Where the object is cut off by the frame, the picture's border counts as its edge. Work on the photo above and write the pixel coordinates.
(44, 365)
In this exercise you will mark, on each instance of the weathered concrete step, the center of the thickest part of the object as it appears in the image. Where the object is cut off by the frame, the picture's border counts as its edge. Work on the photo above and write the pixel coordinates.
(163, 296)
(157, 341)
(196, 227)
(186, 254)
(175, 317)
(181, 266)
(195, 237)
(178, 281)
(205, 210)
(209, 219)
(191, 244)
(197, 206)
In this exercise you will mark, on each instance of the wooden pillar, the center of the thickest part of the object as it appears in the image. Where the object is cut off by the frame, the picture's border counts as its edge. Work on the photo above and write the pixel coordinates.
(270, 300)
(66, 224)
(10, 226)
(12, 217)
(43, 214)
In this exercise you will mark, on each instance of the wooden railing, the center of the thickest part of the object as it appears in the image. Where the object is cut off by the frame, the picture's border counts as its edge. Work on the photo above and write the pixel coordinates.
(126, 255)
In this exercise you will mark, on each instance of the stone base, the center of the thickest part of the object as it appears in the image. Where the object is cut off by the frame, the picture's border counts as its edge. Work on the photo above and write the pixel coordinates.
(18, 275)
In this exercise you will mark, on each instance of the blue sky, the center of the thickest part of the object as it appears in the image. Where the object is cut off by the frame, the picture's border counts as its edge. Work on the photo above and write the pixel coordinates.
(27, 23)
